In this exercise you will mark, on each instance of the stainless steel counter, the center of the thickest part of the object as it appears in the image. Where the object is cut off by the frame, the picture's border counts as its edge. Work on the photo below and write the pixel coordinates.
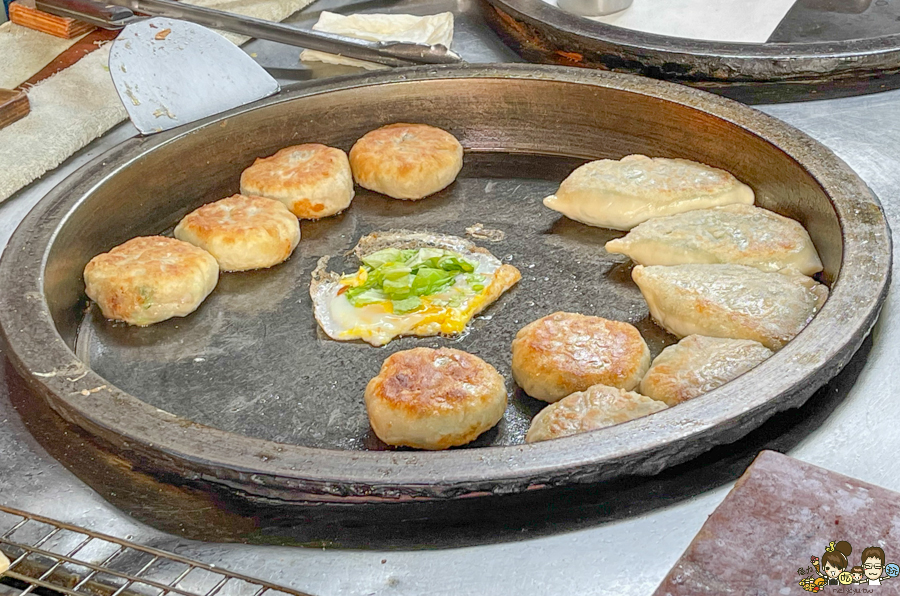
(852, 430)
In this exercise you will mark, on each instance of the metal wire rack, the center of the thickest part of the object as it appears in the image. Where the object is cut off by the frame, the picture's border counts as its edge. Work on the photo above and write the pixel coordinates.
(50, 558)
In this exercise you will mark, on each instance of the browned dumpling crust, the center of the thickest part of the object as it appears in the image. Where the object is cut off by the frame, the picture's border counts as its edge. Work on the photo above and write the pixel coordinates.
(434, 399)
(622, 194)
(598, 407)
(698, 364)
(406, 161)
(312, 180)
(737, 234)
(150, 279)
(567, 352)
(734, 301)
(242, 232)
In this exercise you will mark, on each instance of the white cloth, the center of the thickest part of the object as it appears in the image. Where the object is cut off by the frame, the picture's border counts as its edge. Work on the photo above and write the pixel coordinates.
(68, 111)
(25, 52)
(429, 30)
(77, 105)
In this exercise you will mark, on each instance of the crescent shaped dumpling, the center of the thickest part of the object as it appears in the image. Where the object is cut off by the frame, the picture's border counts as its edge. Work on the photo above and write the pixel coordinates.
(697, 365)
(739, 234)
(622, 194)
(406, 161)
(4, 563)
(150, 279)
(434, 399)
(734, 301)
(597, 407)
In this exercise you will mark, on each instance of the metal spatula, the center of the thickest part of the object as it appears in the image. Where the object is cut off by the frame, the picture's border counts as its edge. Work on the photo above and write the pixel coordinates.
(170, 72)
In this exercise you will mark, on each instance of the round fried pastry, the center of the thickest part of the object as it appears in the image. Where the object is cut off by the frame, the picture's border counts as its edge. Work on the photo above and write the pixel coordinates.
(597, 407)
(312, 180)
(567, 352)
(242, 232)
(434, 399)
(150, 279)
(406, 161)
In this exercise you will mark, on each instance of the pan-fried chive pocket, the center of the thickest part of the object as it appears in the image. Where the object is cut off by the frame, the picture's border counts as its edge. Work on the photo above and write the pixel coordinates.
(597, 407)
(734, 301)
(699, 364)
(622, 194)
(737, 234)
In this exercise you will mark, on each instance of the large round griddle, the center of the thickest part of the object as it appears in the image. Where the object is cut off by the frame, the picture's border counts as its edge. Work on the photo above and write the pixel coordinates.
(821, 49)
(249, 396)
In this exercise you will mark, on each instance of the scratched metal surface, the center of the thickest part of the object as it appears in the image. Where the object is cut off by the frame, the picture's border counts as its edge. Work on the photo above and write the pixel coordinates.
(627, 555)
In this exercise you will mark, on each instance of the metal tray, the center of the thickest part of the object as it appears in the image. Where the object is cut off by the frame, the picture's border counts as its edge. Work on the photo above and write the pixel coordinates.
(821, 49)
(247, 396)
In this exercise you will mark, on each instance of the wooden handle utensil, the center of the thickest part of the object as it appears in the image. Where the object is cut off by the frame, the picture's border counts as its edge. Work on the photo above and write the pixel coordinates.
(13, 106)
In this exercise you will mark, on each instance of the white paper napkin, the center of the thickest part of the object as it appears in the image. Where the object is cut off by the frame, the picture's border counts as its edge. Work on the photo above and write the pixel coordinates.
(430, 30)
(744, 21)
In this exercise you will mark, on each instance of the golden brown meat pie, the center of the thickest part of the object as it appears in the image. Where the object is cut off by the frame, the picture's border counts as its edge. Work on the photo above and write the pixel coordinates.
(406, 161)
(567, 352)
(150, 279)
(434, 399)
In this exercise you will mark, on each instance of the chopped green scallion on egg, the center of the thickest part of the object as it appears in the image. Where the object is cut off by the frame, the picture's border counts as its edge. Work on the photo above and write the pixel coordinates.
(402, 277)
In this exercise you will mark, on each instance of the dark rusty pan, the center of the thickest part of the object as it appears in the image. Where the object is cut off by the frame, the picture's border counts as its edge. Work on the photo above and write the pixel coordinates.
(246, 396)
(749, 72)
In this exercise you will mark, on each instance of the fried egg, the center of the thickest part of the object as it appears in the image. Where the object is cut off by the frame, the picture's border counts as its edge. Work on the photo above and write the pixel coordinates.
(409, 283)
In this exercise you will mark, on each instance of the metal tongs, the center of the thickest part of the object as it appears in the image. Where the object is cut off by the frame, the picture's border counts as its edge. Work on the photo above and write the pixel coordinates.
(116, 14)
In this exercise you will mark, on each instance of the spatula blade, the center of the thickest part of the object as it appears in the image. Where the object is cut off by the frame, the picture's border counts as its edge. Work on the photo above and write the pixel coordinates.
(169, 72)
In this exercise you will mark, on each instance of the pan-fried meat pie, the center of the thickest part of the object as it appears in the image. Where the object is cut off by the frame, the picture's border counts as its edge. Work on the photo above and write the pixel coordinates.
(621, 194)
(242, 232)
(434, 399)
(312, 180)
(150, 279)
(697, 365)
(734, 301)
(597, 407)
(738, 234)
(567, 352)
(406, 161)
